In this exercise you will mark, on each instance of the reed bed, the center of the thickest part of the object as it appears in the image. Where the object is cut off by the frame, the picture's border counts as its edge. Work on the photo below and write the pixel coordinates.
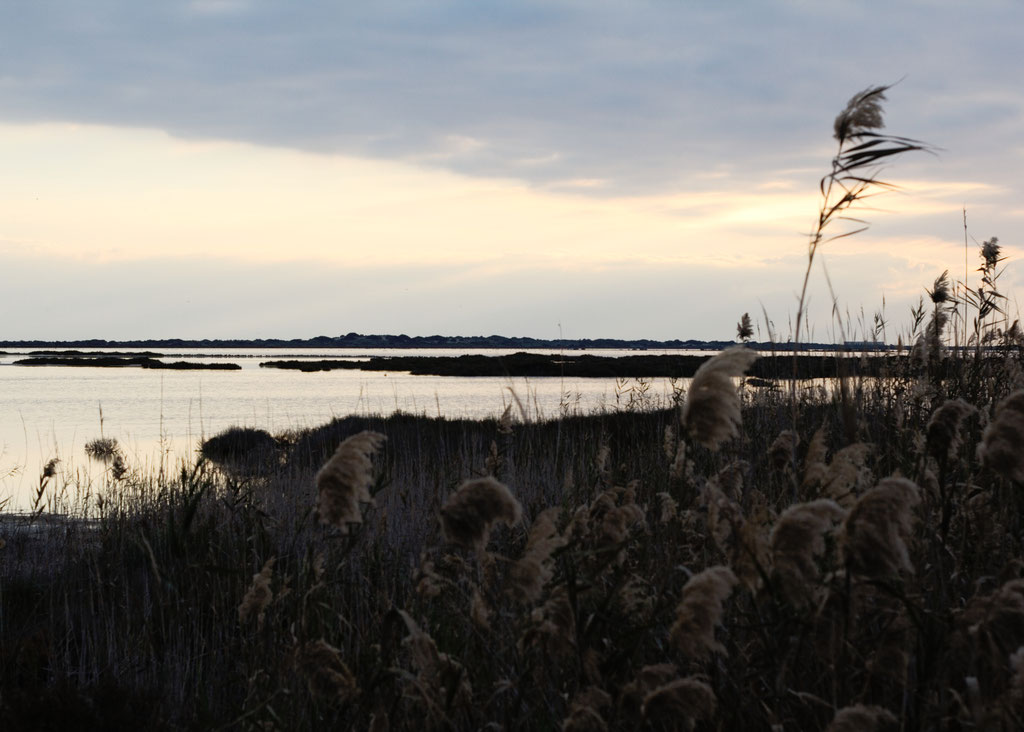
(591, 572)
(748, 558)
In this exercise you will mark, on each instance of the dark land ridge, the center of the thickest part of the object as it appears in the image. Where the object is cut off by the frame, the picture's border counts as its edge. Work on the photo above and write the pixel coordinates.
(358, 340)
(583, 365)
(118, 362)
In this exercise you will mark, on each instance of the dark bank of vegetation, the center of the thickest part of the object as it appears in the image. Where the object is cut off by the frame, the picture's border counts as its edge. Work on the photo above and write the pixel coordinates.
(120, 362)
(842, 559)
(640, 366)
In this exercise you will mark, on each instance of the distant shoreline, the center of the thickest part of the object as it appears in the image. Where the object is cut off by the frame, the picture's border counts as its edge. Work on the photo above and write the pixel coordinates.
(357, 340)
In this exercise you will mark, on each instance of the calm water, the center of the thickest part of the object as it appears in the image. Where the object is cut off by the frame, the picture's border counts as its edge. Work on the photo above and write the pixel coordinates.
(156, 415)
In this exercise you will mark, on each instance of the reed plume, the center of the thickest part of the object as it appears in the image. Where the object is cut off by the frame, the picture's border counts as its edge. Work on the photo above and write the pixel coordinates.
(861, 115)
(700, 610)
(943, 432)
(780, 454)
(994, 625)
(552, 629)
(258, 596)
(469, 513)
(797, 540)
(585, 711)
(441, 682)
(862, 718)
(873, 538)
(327, 676)
(1002, 444)
(744, 329)
(529, 575)
(647, 680)
(343, 483)
(679, 704)
(847, 473)
(816, 460)
(103, 449)
(711, 413)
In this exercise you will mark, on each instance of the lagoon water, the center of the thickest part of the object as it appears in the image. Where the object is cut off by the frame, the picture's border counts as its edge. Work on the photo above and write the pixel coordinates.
(162, 415)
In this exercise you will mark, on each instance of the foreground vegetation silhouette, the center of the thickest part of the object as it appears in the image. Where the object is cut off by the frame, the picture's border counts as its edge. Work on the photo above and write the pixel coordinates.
(842, 558)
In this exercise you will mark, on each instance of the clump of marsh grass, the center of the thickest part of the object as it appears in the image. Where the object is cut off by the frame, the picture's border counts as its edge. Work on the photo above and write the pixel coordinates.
(711, 413)
(700, 610)
(343, 483)
(1002, 443)
(470, 512)
(873, 538)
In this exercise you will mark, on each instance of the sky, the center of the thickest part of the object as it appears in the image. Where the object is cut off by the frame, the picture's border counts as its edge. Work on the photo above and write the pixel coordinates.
(589, 169)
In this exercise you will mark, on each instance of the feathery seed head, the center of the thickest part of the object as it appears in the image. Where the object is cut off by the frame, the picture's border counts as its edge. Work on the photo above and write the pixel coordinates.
(940, 290)
(1002, 444)
(103, 449)
(991, 253)
(873, 538)
(469, 513)
(862, 114)
(862, 718)
(797, 540)
(780, 454)
(258, 596)
(344, 481)
(744, 329)
(943, 436)
(711, 413)
(816, 460)
(326, 674)
(50, 469)
(679, 704)
(585, 711)
(700, 610)
(532, 572)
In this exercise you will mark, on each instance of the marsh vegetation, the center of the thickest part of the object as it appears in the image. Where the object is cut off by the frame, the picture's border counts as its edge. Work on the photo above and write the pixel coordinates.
(744, 559)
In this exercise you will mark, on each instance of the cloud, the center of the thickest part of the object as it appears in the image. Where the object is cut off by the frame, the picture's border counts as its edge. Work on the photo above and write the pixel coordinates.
(643, 95)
